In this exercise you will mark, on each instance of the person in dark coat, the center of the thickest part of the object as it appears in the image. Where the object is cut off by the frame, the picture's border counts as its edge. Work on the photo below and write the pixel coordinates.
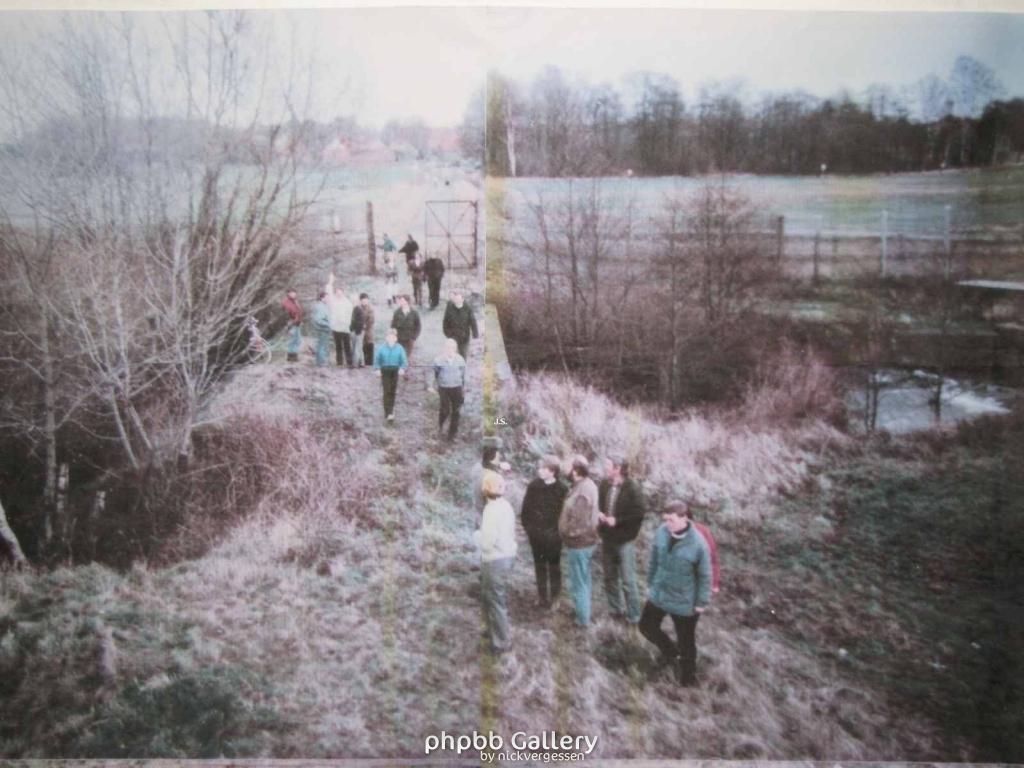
(410, 249)
(406, 322)
(622, 511)
(459, 323)
(416, 272)
(434, 269)
(542, 505)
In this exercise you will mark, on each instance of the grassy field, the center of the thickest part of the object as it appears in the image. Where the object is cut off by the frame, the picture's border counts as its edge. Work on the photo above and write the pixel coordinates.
(980, 199)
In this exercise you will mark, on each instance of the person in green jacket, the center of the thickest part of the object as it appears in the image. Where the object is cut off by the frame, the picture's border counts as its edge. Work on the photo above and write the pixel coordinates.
(679, 585)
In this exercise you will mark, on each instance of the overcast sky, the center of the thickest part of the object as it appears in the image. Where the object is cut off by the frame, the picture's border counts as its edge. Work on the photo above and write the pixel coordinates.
(426, 62)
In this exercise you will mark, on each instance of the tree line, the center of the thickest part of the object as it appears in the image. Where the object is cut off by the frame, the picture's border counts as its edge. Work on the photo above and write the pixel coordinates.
(555, 127)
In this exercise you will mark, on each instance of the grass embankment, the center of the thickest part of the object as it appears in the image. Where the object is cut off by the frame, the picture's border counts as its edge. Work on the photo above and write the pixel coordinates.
(869, 607)
(319, 625)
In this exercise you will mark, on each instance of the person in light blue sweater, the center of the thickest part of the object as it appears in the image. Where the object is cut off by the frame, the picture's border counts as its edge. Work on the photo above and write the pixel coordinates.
(390, 362)
(450, 377)
(322, 325)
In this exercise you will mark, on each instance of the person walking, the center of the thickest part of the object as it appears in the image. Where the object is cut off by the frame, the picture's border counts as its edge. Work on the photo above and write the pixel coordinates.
(390, 279)
(341, 322)
(434, 270)
(361, 327)
(406, 321)
(417, 274)
(497, 540)
(459, 322)
(541, 507)
(357, 327)
(622, 512)
(409, 249)
(322, 326)
(294, 309)
(577, 526)
(390, 362)
(678, 585)
(450, 378)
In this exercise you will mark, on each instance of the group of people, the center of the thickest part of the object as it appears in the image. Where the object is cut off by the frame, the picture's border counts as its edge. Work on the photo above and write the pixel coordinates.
(571, 520)
(420, 269)
(350, 326)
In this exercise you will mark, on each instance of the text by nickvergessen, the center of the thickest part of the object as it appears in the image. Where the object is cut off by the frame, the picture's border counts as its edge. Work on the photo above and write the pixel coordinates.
(546, 747)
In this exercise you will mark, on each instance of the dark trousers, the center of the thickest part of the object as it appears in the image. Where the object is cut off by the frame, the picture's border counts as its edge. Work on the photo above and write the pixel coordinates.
(343, 348)
(407, 345)
(686, 637)
(368, 352)
(463, 347)
(434, 286)
(548, 569)
(389, 383)
(417, 292)
(451, 402)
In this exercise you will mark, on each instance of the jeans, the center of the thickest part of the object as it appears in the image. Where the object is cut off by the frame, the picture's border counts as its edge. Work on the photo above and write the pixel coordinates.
(548, 569)
(323, 346)
(389, 384)
(342, 348)
(578, 562)
(358, 350)
(451, 402)
(294, 339)
(619, 564)
(494, 575)
(686, 634)
(434, 287)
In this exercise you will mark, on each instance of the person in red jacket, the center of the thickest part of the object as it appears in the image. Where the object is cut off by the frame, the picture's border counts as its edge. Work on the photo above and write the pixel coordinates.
(705, 533)
(294, 309)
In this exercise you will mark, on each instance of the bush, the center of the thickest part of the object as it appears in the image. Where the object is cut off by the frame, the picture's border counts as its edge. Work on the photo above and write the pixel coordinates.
(197, 715)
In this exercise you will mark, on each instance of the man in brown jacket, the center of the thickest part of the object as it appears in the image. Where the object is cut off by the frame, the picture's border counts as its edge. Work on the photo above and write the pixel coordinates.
(577, 525)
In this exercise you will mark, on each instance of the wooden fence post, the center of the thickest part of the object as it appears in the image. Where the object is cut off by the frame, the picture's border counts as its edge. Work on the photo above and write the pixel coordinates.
(371, 240)
(817, 251)
(780, 238)
(947, 241)
(885, 241)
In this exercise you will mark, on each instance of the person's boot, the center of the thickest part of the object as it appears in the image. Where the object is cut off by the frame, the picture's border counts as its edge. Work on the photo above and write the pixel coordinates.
(687, 678)
(293, 357)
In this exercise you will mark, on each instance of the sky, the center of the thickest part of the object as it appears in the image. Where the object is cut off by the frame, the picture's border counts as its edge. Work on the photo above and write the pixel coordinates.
(385, 63)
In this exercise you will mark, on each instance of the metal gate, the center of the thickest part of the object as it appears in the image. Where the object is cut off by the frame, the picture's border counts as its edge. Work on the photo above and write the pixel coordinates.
(451, 232)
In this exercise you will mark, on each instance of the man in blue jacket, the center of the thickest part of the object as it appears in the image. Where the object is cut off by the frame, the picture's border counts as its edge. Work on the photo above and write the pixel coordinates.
(679, 584)
(390, 362)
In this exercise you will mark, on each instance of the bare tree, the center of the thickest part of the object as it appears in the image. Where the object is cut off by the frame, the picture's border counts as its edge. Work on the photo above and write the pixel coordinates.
(139, 246)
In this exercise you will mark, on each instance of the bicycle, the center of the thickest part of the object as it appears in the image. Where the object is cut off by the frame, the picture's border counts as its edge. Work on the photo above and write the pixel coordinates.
(258, 349)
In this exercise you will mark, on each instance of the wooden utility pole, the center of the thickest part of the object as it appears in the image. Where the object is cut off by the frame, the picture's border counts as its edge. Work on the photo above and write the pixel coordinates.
(371, 240)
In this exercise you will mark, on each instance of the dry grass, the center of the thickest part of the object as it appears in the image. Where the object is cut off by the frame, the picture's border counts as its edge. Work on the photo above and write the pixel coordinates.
(730, 463)
(341, 617)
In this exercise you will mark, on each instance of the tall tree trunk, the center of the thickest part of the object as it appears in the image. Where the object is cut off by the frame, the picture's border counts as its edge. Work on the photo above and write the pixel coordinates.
(10, 540)
(49, 428)
(510, 137)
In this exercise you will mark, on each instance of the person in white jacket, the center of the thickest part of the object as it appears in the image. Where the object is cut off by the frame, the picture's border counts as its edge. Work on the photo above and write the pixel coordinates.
(497, 540)
(341, 321)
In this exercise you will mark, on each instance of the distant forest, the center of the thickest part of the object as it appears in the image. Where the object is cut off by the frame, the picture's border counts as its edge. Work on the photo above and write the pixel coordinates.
(557, 127)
